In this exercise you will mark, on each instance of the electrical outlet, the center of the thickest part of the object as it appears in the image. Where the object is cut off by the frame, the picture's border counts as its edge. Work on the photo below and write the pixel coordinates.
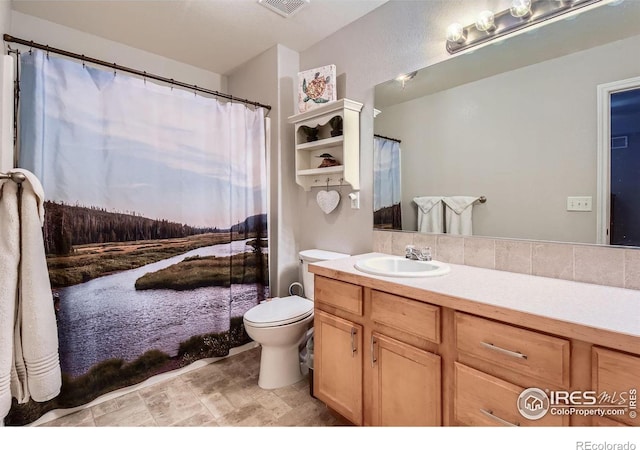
(579, 203)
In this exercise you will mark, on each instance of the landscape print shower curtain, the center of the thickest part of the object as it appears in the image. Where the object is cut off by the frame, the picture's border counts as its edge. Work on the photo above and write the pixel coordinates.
(156, 231)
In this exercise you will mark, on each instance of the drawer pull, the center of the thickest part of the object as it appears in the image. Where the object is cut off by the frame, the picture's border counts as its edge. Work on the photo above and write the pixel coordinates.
(504, 350)
(490, 414)
(373, 354)
(353, 341)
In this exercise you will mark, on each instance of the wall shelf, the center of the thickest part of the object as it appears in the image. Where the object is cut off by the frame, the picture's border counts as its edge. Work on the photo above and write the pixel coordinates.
(321, 171)
(344, 148)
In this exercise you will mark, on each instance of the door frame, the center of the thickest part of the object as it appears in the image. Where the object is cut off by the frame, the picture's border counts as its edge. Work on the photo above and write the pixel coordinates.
(604, 152)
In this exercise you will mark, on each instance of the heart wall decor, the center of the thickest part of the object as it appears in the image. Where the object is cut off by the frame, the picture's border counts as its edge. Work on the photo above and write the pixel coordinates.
(328, 200)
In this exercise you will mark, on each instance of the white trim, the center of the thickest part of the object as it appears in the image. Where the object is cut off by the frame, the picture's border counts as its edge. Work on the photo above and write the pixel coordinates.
(604, 152)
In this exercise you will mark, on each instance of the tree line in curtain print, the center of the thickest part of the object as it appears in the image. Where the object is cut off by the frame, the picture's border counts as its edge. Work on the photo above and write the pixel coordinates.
(83, 243)
(67, 225)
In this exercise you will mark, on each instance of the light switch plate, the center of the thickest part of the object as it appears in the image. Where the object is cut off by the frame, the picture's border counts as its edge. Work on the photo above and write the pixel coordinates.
(579, 203)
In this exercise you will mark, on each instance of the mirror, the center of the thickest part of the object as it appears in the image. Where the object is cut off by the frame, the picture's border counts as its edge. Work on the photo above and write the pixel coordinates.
(515, 121)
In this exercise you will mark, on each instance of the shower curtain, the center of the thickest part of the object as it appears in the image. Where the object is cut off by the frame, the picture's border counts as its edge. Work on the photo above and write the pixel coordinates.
(156, 227)
(386, 184)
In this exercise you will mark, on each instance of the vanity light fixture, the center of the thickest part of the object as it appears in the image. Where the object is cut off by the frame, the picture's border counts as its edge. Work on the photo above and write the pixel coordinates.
(521, 14)
(456, 33)
(486, 21)
(520, 8)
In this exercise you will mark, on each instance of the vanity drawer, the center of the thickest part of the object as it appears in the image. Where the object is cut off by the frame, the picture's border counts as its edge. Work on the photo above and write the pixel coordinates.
(618, 375)
(410, 316)
(541, 356)
(483, 400)
(340, 295)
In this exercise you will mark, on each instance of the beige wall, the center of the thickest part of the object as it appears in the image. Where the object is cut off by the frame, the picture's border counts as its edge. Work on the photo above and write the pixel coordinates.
(526, 139)
(398, 37)
(390, 40)
(268, 78)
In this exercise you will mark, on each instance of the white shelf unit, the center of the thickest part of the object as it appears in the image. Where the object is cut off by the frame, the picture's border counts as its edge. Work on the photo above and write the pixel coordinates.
(344, 148)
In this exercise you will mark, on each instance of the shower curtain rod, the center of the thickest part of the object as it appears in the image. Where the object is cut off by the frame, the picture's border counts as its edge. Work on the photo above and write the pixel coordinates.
(391, 139)
(16, 177)
(114, 66)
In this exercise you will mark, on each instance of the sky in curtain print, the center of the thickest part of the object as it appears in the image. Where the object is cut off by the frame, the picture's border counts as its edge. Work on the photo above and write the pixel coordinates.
(130, 145)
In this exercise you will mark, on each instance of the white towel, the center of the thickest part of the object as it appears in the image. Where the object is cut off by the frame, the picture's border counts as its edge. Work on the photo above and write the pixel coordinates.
(459, 214)
(33, 346)
(429, 214)
(9, 256)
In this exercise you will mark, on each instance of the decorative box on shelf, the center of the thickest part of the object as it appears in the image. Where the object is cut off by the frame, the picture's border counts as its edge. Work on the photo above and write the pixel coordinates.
(327, 145)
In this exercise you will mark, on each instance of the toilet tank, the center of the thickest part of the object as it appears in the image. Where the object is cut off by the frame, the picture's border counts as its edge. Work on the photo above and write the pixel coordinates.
(310, 256)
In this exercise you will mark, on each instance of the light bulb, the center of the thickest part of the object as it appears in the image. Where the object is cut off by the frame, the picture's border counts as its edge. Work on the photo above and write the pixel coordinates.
(455, 33)
(520, 8)
(484, 22)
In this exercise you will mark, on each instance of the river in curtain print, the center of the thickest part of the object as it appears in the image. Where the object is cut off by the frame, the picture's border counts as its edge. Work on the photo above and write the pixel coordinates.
(123, 318)
(155, 222)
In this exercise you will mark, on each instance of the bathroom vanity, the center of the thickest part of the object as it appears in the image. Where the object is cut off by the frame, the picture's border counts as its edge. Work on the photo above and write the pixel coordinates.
(459, 349)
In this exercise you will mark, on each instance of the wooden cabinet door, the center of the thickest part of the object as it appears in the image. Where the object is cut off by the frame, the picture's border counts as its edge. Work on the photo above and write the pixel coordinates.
(337, 378)
(406, 384)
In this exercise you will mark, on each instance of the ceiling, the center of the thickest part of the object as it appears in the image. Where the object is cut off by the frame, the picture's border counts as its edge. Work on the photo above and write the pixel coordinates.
(215, 35)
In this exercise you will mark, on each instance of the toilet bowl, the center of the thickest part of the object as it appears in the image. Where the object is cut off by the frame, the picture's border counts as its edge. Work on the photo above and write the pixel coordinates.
(281, 324)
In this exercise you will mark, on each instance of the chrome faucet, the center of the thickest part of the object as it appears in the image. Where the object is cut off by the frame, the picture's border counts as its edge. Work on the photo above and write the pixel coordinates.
(424, 254)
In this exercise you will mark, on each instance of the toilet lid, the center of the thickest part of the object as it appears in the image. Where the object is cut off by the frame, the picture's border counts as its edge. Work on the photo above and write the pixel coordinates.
(279, 311)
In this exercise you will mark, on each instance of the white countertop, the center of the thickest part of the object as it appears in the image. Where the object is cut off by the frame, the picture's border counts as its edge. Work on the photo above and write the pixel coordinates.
(603, 307)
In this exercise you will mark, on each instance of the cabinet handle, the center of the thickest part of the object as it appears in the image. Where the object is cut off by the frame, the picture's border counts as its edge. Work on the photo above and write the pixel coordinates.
(503, 350)
(353, 341)
(373, 352)
(490, 414)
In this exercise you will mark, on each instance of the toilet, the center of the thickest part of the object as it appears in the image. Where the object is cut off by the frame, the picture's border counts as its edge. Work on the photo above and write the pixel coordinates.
(281, 324)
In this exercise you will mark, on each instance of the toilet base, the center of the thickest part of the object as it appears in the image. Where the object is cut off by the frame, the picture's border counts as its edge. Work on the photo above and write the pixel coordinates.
(279, 367)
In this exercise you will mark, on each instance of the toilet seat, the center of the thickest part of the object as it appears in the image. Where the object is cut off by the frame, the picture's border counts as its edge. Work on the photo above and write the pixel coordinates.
(279, 311)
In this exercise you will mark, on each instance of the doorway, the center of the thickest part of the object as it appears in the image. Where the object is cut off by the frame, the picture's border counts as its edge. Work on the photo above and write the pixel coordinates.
(619, 163)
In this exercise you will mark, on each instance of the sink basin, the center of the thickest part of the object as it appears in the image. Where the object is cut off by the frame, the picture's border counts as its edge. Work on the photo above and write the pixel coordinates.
(398, 266)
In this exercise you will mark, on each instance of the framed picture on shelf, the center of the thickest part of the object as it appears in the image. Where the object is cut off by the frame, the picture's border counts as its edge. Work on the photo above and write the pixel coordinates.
(316, 87)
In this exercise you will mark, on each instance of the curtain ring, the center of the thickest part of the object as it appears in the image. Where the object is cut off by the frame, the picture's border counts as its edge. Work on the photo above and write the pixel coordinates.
(171, 84)
(195, 88)
(144, 77)
(83, 61)
(114, 69)
(47, 52)
(31, 48)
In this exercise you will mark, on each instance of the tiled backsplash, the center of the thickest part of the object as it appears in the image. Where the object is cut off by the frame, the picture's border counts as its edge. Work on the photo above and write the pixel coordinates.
(595, 264)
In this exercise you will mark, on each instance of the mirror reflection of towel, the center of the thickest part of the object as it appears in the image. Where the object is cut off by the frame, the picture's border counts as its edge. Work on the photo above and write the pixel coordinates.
(458, 214)
(429, 214)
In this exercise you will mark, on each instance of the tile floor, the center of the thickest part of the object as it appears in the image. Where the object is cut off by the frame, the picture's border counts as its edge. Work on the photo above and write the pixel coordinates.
(223, 393)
